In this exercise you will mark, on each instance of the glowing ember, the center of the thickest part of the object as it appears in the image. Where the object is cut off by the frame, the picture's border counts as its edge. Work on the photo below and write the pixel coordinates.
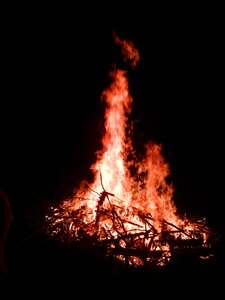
(128, 209)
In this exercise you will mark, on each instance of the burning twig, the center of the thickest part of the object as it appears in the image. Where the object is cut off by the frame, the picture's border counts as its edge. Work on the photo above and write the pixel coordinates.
(102, 198)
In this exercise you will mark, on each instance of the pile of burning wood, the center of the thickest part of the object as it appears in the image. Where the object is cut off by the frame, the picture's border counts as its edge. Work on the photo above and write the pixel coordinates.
(142, 244)
(136, 223)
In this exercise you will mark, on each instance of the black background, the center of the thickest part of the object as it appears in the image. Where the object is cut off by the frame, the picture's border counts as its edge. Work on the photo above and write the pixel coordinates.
(56, 65)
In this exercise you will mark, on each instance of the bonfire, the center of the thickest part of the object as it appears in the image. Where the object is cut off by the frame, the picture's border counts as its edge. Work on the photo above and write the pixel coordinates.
(128, 209)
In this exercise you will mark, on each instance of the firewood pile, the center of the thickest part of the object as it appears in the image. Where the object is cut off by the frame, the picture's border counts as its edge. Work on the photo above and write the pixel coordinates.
(117, 235)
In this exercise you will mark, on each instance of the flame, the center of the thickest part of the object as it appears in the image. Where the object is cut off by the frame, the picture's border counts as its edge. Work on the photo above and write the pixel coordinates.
(128, 51)
(130, 203)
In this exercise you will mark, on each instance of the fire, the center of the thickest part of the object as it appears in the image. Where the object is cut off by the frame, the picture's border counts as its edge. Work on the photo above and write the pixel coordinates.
(129, 207)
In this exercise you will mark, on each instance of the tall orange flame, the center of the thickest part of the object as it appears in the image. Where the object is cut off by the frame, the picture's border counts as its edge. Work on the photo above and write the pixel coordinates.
(120, 190)
(149, 192)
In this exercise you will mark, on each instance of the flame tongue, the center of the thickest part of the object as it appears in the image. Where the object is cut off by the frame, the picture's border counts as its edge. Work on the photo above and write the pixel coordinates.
(151, 192)
(111, 159)
(128, 211)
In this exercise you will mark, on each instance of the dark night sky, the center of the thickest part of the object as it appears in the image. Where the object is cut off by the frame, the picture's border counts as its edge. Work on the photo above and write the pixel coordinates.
(56, 69)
